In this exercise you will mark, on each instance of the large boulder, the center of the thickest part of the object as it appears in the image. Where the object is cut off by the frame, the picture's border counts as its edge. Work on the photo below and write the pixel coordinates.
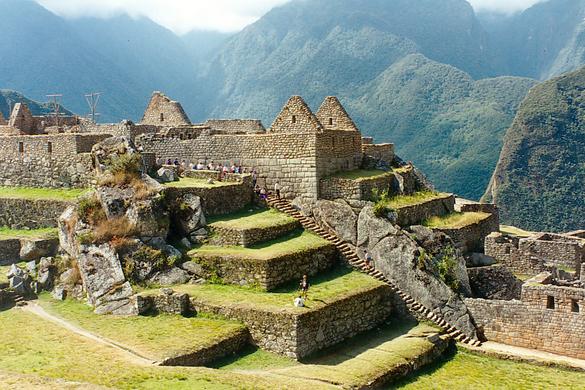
(170, 277)
(337, 216)
(19, 280)
(104, 280)
(399, 257)
(148, 219)
(188, 216)
(35, 249)
(115, 200)
(104, 151)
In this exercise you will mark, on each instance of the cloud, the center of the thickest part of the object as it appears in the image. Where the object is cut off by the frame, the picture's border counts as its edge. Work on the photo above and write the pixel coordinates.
(180, 16)
(506, 6)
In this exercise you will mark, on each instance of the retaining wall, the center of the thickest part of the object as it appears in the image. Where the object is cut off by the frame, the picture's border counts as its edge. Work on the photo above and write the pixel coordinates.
(219, 200)
(415, 214)
(31, 213)
(227, 236)
(472, 237)
(358, 189)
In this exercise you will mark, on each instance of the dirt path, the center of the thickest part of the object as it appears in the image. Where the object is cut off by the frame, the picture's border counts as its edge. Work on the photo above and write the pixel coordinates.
(133, 356)
(528, 355)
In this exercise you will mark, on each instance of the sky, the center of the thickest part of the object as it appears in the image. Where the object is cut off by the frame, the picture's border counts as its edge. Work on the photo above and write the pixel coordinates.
(182, 16)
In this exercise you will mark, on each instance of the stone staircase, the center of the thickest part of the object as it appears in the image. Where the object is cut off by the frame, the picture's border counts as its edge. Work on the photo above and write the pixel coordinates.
(353, 259)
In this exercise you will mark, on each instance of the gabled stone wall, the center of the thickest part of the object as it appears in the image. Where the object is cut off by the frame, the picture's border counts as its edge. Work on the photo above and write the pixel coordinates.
(162, 111)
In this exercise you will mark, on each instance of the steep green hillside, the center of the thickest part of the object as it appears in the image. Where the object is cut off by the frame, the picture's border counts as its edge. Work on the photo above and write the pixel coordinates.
(540, 177)
(440, 118)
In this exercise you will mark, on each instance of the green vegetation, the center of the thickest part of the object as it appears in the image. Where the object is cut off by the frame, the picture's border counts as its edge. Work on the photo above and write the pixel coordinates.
(447, 263)
(325, 288)
(188, 182)
(30, 345)
(157, 337)
(252, 219)
(466, 370)
(6, 233)
(541, 175)
(514, 231)
(399, 201)
(360, 174)
(252, 358)
(296, 242)
(455, 220)
(41, 193)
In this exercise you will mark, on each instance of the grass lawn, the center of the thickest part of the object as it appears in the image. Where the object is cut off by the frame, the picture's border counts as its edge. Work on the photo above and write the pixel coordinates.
(399, 201)
(32, 346)
(325, 288)
(188, 182)
(41, 193)
(514, 231)
(360, 174)
(6, 233)
(156, 337)
(467, 370)
(252, 219)
(295, 242)
(455, 220)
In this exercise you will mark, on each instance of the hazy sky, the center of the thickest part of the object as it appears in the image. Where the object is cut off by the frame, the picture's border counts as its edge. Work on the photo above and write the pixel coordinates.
(224, 15)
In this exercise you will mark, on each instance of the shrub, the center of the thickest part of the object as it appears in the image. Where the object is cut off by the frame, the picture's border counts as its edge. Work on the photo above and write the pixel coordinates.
(446, 265)
(115, 228)
(127, 164)
(90, 210)
(381, 199)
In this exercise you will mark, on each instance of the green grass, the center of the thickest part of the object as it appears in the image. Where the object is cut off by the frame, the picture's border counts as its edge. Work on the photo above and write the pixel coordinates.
(467, 370)
(30, 345)
(253, 358)
(6, 233)
(399, 201)
(298, 241)
(514, 231)
(252, 219)
(360, 174)
(455, 220)
(156, 337)
(188, 182)
(41, 193)
(325, 288)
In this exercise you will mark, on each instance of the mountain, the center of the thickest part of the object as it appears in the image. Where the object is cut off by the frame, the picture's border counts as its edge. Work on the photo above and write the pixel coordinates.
(540, 177)
(395, 64)
(124, 58)
(8, 98)
(544, 41)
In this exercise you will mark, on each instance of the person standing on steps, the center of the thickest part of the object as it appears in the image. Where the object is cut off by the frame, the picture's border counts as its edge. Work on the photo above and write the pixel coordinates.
(304, 287)
(277, 189)
(369, 259)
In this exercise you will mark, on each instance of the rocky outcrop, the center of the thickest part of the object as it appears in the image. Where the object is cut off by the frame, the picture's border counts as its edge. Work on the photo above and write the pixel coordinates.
(494, 282)
(335, 215)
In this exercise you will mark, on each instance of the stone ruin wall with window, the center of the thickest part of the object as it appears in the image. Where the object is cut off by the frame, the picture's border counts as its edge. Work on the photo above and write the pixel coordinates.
(548, 318)
(62, 160)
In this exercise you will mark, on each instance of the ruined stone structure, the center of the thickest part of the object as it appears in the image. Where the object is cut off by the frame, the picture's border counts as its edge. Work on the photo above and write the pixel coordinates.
(297, 151)
(549, 318)
(162, 111)
(532, 255)
(22, 122)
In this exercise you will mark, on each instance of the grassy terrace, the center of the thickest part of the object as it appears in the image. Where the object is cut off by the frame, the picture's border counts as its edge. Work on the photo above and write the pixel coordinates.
(514, 231)
(41, 193)
(6, 233)
(324, 289)
(455, 220)
(188, 182)
(360, 174)
(295, 242)
(397, 202)
(157, 337)
(32, 346)
(252, 219)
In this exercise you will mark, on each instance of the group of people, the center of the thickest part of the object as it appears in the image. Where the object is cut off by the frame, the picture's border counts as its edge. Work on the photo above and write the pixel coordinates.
(211, 166)
(263, 193)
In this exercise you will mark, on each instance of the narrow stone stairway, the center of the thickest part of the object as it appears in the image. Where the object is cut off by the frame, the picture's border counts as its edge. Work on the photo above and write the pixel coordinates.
(354, 260)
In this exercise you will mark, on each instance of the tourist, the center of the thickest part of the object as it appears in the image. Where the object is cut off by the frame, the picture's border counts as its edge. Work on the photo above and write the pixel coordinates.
(304, 287)
(299, 301)
(277, 189)
(233, 168)
(254, 177)
(369, 259)
(176, 162)
(263, 194)
(257, 190)
(200, 166)
(169, 162)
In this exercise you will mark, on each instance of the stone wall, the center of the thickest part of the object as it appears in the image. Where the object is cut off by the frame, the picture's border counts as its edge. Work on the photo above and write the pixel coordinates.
(62, 160)
(415, 214)
(9, 251)
(235, 126)
(227, 236)
(214, 175)
(530, 326)
(376, 153)
(494, 282)
(298, 333)
(30, 213)
(472, 237)
(221, 200)
(359, 189)
(562, 299)
(532, 255)
(268, 274)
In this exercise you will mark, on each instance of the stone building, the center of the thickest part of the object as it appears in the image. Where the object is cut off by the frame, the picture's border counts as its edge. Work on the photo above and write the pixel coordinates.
(2, 120)
(162, 111)
(297, 151)
(22, 122)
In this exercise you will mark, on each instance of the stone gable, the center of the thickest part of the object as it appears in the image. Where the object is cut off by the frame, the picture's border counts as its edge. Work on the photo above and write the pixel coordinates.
(21, 118)
(162, 111)
(296, 117)
(2, 120)
(333, 116)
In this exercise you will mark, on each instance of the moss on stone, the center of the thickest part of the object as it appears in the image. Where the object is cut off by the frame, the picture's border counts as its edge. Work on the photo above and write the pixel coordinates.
(6, 233)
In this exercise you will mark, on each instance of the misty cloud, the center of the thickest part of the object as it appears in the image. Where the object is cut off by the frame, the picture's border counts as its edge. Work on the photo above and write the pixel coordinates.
(506, 6)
